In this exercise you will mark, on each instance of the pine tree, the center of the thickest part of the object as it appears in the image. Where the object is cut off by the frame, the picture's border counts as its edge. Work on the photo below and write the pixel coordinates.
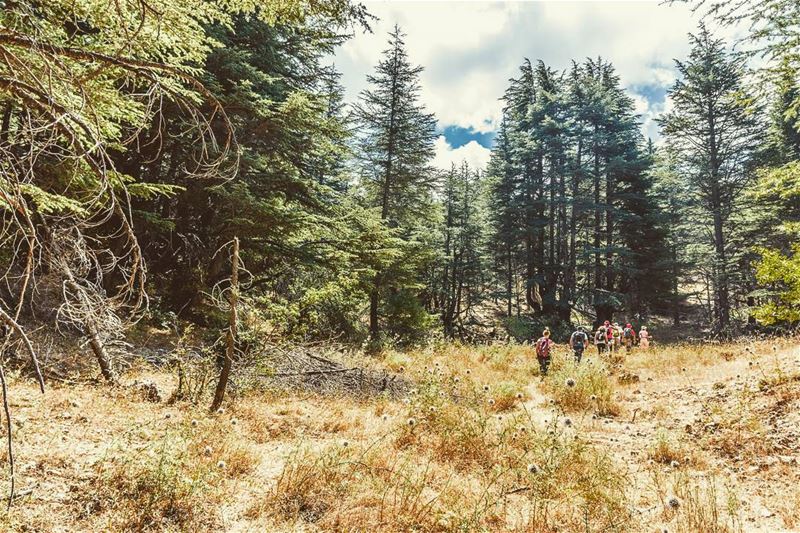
(672, 195)
(573, 213)
(504, 217)
(713, 133)
(396, 146)
(461, 281)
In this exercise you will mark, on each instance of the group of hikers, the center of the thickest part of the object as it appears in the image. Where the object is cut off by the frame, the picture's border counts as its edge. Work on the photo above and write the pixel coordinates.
(608, 338)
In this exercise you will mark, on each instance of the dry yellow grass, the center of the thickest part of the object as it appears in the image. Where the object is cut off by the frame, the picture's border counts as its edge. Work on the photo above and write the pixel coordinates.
(475, 445)
(584, 387)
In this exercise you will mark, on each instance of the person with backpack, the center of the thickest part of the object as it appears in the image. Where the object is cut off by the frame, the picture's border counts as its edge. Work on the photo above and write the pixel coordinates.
(543, 351)
(579, 341)
(609, 335)
(601, 340)
(628, 337)
(616, 336)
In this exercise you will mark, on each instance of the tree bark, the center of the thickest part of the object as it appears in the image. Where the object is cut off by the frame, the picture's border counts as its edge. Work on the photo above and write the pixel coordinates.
(92, 330)
(224, 375)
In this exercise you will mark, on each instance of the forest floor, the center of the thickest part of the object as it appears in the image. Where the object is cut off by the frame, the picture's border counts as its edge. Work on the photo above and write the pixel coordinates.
(680, 438)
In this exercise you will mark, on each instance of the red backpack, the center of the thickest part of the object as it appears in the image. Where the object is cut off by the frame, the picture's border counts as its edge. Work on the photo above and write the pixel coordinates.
(543, 348)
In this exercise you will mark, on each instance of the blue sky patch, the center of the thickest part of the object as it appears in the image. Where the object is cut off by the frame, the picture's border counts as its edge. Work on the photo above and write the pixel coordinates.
(457, 136)
(655, 94)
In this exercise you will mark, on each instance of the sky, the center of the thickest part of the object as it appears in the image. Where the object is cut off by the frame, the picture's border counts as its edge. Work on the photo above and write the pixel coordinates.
(470, 50)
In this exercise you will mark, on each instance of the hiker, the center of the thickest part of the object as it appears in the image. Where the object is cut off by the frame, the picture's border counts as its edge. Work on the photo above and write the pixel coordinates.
(616, 336)
(601, 340)
(579, 341)
(644, 338)
(628, 337)
(609, 336)
(543, 349)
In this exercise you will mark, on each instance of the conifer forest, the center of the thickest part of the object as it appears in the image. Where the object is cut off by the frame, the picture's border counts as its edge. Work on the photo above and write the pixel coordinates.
(248, 283)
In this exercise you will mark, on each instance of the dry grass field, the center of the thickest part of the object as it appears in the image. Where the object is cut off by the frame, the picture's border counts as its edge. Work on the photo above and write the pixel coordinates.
(701, 438)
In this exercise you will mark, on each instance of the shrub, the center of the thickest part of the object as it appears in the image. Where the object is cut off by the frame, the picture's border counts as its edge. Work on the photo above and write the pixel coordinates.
(456, 470)
(163, 485)
(666, 450)
(581, 387)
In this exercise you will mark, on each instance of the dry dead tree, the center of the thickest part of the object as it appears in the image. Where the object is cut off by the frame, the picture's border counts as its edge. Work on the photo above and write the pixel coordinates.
(298, 367)
(233, 301)
(64, 207)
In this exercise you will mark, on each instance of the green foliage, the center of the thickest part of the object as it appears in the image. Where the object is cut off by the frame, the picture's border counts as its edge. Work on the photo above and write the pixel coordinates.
(346, 230)
(713, 133)
(395, 146)
(528, 329)
(45, 202)
(407, 320)
(773, 33)
(301, 235)
(569, 157)
(782, 274)
(456, 281)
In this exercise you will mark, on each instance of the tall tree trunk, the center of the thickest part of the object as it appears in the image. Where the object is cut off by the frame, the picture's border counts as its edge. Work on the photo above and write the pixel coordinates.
(598, 271)
(721, 278)
(224, 375)
(374, 297)
(676, 311)
(570, 284)
(509, 279)
(721, 267)
(609, 229)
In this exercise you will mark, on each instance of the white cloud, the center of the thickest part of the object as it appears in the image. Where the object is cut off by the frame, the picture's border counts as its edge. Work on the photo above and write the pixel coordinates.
(471, 49)
(473, 153)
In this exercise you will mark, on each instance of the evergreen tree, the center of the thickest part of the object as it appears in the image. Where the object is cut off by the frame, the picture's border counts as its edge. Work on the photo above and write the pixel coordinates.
(713, 133)
(287, 202)
(396, 138)
(395, 149)
(504, 217)
(573, 213)
(459, 277)
(675, 219)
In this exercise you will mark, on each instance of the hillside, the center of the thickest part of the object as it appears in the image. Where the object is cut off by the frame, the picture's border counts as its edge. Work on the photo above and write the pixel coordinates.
(684, 438)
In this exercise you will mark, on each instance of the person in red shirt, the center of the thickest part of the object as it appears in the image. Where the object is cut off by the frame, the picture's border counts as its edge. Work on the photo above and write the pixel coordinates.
(609, 336)
(544, 348)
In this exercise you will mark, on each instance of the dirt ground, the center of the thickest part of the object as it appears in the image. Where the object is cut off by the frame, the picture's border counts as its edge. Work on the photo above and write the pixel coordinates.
(724, 425)
(737, 422)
